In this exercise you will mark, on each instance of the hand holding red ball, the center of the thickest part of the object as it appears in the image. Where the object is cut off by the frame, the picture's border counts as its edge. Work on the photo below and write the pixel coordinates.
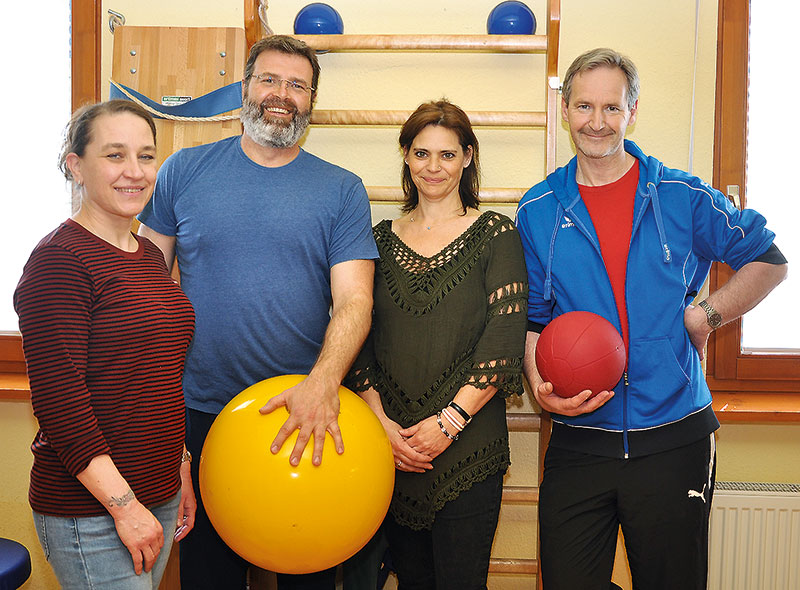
(580, 351)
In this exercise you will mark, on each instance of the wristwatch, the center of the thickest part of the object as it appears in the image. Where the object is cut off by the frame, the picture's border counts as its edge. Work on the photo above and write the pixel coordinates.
(186, 457)
(713, 317)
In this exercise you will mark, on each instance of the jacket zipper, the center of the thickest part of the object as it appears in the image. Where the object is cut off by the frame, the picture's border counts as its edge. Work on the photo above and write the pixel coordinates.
(625, 414)
(636, 221)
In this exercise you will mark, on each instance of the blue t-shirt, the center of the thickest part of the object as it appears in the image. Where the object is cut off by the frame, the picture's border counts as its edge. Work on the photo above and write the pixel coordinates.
(255, 246)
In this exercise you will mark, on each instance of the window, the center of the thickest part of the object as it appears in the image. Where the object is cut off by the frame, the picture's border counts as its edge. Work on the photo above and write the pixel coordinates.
(36, 195)
(732, 368)
(84, 50)
(770, 149)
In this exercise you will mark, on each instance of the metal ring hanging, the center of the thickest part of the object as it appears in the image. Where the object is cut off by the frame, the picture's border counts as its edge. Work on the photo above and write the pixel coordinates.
(115, 18)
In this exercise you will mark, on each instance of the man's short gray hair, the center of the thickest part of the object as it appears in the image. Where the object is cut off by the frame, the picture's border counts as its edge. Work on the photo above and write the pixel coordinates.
(603, 57)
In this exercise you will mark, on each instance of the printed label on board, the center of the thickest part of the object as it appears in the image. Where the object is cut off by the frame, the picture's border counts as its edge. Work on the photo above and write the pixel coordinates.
(173, 101)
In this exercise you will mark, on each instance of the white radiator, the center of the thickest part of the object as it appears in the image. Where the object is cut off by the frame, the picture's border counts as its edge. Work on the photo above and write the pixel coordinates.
(754, 541)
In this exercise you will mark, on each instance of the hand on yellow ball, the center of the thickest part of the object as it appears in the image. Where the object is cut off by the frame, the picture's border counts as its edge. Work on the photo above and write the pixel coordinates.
(313, 407)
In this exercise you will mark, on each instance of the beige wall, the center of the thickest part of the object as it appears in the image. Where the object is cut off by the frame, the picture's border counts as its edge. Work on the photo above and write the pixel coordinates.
(17, 429)
(659, 36)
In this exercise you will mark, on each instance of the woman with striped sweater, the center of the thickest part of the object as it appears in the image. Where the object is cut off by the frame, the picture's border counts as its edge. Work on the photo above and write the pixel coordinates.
(105, 330)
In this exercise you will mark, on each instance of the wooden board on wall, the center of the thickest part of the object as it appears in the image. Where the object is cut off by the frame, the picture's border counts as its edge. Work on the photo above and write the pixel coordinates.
(180, 61)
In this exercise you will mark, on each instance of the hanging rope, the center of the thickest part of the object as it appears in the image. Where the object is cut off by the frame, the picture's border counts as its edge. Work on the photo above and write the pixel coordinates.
(263, 5)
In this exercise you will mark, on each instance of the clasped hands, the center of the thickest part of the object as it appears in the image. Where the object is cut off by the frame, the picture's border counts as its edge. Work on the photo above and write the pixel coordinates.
(414, 448)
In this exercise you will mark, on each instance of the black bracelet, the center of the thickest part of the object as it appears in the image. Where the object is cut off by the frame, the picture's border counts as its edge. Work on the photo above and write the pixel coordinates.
(461, 412)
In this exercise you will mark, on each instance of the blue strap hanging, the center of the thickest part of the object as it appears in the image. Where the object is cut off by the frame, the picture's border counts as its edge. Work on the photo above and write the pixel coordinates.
(221, 100)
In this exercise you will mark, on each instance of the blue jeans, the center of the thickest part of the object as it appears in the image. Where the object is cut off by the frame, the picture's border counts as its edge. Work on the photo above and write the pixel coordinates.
(86, 552)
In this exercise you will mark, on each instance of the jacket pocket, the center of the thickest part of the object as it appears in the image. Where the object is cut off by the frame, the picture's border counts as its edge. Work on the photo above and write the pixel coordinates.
(659, 390)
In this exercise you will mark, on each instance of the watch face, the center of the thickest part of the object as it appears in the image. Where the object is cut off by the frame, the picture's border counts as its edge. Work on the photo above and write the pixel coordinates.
(713, 317)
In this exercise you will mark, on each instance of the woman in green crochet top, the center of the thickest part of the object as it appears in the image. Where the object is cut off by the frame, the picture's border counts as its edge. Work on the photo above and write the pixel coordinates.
(445, 350)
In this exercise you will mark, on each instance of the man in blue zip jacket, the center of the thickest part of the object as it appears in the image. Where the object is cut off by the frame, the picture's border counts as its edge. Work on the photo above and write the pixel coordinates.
(617, 233)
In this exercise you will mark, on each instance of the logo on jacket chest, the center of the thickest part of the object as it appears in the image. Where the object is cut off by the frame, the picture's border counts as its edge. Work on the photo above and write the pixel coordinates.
(567, 223)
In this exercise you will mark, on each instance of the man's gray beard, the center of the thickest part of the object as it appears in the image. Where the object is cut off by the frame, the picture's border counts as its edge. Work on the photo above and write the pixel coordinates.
(272, 134)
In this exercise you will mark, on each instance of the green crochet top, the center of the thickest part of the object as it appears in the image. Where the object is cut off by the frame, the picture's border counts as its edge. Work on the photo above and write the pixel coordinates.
(441, 322)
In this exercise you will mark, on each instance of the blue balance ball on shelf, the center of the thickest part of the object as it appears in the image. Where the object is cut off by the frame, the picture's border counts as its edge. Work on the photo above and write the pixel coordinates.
(318, 19)
(511, 18)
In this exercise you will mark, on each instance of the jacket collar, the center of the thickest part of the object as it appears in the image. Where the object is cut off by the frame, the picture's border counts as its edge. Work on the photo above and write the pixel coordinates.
(565, 187)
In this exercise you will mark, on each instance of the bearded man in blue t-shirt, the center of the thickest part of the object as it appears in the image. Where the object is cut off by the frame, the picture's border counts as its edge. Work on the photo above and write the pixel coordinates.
(276, 253)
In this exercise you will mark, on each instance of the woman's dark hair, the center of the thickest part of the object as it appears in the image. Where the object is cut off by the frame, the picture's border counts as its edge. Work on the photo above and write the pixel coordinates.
(445, 114)
(79, 129)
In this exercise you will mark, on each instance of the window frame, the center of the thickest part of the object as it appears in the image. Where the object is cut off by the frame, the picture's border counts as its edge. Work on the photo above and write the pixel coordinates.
(729, 369)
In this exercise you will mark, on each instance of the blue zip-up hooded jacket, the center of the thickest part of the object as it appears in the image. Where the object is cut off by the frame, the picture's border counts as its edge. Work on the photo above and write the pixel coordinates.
(680, 225)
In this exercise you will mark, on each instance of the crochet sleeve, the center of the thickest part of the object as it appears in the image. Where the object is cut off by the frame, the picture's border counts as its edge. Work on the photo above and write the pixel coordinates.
(360, 376)
(497, 359)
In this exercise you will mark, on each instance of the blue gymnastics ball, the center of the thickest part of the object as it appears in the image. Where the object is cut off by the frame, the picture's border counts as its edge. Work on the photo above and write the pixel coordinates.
(511, 18)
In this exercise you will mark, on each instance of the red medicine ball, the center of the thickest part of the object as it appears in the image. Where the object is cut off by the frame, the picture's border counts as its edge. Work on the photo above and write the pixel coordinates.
(580, 350)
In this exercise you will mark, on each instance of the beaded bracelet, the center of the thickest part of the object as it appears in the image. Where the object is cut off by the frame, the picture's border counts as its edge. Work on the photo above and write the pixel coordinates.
(461, 412)
(442, 428)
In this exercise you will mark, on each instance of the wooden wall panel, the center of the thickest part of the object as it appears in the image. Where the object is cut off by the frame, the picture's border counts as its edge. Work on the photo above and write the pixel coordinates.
(180, 61)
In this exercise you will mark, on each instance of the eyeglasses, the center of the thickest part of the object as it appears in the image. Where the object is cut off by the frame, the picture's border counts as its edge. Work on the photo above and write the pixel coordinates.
(273, 82)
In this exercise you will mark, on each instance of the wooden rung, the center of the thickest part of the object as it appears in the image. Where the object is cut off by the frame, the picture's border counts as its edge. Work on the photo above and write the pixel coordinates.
(495, 43)
(523, 422)
(513, 566)
(391, 194)
(521, 494)
(386, 117)
(394, 194)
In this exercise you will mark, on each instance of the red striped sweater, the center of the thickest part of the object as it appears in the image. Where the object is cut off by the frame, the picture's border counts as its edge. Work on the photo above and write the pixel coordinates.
(105, 334)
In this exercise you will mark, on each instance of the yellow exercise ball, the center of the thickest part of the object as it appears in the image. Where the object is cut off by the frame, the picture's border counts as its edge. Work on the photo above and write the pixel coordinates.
(302, 519)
